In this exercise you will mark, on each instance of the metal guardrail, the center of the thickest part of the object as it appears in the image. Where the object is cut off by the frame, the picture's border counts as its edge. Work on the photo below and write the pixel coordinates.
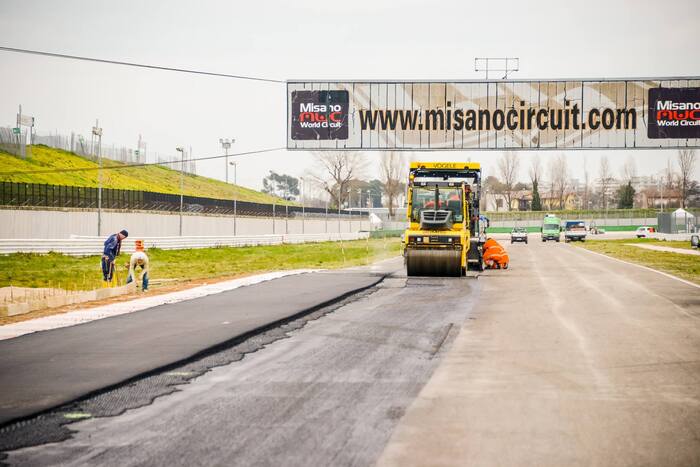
(87, 246)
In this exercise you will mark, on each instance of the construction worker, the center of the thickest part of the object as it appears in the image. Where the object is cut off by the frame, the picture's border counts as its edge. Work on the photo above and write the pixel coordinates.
(113, 245)
(139, 258)
(495, 256)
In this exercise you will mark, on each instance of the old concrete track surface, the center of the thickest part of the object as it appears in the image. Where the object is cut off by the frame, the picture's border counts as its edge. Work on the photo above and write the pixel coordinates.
(567, 358)
(572, 359)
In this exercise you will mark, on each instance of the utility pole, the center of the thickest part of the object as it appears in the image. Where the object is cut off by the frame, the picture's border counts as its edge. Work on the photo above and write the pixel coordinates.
(181, 150)
(303, 212)
(226, 145)
(235, 196)
(340, 194)
(97, 131)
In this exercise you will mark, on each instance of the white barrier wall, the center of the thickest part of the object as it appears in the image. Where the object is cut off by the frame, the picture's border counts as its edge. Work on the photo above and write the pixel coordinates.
(599, 222)
(31, 223)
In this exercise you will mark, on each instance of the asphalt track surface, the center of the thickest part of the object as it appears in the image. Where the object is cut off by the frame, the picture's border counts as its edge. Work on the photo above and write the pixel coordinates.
(43, 370)
(566, 358)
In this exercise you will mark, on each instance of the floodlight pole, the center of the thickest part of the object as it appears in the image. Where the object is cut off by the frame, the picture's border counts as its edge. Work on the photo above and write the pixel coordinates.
(235, 196)
(181, 150)
(303, 212)
(97, 131)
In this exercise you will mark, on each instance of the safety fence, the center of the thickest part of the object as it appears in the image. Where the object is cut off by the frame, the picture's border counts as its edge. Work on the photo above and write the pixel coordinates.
(87, 246)
(61, 196)
(578, 214)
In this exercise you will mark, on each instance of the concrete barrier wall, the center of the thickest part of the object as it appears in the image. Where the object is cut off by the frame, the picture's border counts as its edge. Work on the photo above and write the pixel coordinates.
(599, 222)
(36, 223)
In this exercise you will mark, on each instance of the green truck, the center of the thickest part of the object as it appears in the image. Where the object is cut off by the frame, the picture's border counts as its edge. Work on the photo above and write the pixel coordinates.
(551, 228)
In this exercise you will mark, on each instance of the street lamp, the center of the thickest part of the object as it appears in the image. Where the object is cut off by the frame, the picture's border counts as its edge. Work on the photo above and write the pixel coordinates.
(303, 212)
(97, 131)
(181, 150)
(235, 196)
(226, 145)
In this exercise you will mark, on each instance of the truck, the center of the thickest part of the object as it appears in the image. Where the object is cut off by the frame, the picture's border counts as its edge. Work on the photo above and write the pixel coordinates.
(575, 230)
(551, 228)
(443, 237)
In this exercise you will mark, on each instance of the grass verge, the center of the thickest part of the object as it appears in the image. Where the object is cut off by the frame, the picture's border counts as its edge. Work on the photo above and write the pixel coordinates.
(151, 178)
(73, 273)
(684, 266)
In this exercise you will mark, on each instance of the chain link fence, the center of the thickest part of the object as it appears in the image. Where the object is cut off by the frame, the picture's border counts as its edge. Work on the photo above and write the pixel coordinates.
(13, 143)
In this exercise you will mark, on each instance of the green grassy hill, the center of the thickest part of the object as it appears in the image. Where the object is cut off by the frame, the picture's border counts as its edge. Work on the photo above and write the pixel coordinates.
(151, 178)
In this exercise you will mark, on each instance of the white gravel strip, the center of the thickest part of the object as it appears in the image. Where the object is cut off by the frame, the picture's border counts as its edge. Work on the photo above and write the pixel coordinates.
(85, 315)
(665, 248)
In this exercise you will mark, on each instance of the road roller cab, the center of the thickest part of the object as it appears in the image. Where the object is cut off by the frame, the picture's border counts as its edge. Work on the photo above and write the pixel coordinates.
(443, 211)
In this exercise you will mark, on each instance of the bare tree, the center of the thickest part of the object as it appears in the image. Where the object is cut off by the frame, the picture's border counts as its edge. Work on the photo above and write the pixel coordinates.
(605, 179)
(392, 168)
(334, 171)
(629, 170)
(535, 169)
(686, 164)
(559, 175)
(508, 168)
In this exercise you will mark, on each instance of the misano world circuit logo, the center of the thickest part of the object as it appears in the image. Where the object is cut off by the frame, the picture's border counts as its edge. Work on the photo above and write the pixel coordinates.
(674, 113)
(319, 115)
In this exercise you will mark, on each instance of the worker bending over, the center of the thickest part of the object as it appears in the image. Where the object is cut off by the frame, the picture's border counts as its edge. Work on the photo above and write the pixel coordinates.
(139, 259)
(112, 247)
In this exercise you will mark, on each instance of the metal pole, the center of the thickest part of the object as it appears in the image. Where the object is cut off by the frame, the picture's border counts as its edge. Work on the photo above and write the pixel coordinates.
(286, 219)
(226, 159)
(326, 216)
(350, 209)
(235, 198)
(182, 183)
(303, 212)
(273, 217)
(99, 176)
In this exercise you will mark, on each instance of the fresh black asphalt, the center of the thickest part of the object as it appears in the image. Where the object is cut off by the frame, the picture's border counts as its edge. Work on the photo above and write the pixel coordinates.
(47, 369)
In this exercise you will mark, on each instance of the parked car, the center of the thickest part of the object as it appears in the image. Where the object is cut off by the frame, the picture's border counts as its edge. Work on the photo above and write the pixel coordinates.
(518, 234)
(644, 232)
(575, 230)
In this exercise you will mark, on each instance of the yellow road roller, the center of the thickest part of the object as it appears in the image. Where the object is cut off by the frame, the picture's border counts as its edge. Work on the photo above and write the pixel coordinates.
(443, 237)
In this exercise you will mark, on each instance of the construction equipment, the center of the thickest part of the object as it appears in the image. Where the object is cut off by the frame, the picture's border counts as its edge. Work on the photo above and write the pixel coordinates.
(444, 237)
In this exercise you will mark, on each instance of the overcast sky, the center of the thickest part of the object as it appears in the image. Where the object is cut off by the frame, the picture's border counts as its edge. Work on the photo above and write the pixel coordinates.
(317, 40)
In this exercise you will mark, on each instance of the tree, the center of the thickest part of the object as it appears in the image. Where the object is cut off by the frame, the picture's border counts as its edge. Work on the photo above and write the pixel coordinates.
(686, 164)
(376, 188)
(393, 169)
(535, 174)
(559, 174)
(586, 185)
(629, 170)
(625, 196)
(536, 201)
(333, 172)
(508, 166)
(605, 179)
(280, 185)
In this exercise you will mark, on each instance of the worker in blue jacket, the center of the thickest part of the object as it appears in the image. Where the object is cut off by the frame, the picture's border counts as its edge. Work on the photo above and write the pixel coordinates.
(113, 245)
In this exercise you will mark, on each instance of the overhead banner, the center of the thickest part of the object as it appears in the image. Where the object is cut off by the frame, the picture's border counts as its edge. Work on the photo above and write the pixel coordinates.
(518, 115)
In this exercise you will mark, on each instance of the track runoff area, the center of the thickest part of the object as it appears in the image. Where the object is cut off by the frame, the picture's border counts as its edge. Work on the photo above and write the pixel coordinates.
(567, 357)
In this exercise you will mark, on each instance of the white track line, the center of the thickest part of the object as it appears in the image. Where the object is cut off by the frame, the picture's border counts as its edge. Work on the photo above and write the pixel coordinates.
(86, 315)
(670, 276)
